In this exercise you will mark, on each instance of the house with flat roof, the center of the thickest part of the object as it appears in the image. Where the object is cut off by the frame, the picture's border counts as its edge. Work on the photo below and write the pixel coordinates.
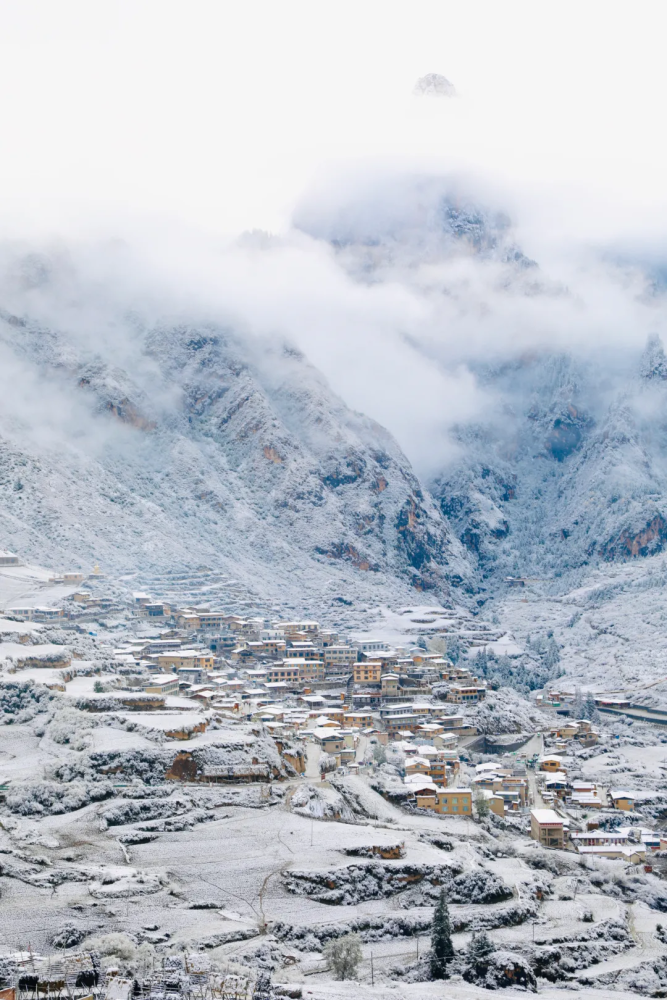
(186, 659)
(339, 656)
(622, 800)
(358, 720)
(330, 740)
(551, 763)
(162, 684)
(283, 673)
(371, 645)
(367, 672)
(546, 827)
(466, 694)
(448, 801)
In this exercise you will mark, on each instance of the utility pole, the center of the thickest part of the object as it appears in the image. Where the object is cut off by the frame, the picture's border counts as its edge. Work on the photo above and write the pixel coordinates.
(372, 976)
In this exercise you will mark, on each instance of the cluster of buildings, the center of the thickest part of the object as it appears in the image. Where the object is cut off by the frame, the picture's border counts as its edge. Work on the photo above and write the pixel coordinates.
(556, 787)
(505, 787)
(82, 603)
(254, 666)
(633, 844)
(304, 682)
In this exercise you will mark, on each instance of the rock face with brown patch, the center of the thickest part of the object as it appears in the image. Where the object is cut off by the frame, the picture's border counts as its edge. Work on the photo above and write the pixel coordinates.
(229, 760)
(272, 455)
(198, 447)
(125, 411)
(571, 470)
(633, 545)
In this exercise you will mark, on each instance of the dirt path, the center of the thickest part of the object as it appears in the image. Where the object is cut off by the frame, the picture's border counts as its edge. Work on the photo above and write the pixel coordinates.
(647, 948)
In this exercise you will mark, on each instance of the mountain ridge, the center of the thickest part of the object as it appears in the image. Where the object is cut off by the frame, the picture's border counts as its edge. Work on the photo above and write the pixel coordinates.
(228, 451)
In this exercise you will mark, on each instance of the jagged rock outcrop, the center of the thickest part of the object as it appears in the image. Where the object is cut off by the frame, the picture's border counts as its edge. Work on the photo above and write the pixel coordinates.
(573, 474)
(154, 444)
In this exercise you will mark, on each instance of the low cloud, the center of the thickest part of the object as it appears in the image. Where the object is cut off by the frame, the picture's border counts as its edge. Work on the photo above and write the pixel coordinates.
(404, 290)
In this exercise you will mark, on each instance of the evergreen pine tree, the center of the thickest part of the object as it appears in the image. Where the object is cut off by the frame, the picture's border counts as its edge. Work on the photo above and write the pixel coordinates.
(478, 951)
(590, 709)
(552, 657)
(454, 650)
(481, 662)
(578, 706)
(442, 950)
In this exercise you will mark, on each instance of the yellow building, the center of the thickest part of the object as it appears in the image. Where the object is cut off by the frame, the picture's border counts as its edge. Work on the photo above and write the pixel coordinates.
(448, 801)
(283, 672)
(358, 720)
(461, 694)
(546, 827)
(185, 658)
(622, 800)
(497, 805)
(163, 684)
(309, 670)
(551, 764)
(368, 672)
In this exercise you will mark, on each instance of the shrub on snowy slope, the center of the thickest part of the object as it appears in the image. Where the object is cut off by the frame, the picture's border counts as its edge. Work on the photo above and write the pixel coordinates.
(21, 701)
(504, 711)
(420, 883)
(47, 798)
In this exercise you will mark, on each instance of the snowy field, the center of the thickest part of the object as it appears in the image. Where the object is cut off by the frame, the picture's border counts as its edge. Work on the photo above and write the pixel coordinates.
(613, 631)
(27, 586)
(223, 867)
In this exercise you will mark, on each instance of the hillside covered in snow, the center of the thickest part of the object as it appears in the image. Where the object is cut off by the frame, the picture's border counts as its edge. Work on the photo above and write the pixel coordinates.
(154, 442)
(150, 427)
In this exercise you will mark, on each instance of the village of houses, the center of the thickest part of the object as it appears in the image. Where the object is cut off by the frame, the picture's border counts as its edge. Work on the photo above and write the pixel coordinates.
(353, 718)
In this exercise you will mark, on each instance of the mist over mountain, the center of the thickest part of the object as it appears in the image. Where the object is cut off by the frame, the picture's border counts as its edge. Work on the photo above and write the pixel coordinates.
(571, 474)
(169, 444)
(167, 412)
(563, 466)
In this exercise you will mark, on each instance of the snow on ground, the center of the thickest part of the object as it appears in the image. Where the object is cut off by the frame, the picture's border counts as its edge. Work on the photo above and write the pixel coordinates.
(40, 675)
(229, 851)
(454, 989)
(107, 738)
(612, 632)
(19, 651)
(403, 626)
(178, 719)
(505, 646)
(28, 586)
(8, 626)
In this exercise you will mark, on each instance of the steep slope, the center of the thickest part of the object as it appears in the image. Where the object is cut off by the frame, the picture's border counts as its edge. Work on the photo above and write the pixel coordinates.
(149, 445)
(565, 464)
(575, 473)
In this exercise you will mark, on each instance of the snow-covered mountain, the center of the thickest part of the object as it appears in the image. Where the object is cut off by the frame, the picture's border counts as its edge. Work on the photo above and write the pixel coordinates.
(565, 464)
(573, 475)
(148, 435)
(167, 444)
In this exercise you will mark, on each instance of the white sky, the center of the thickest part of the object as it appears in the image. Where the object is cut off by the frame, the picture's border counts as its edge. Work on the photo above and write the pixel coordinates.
(220, 113)
(163, 122)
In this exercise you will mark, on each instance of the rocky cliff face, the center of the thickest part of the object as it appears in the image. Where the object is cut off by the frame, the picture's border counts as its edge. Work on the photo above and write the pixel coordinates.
(567, 466)
(166, 444)
(572, 475)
